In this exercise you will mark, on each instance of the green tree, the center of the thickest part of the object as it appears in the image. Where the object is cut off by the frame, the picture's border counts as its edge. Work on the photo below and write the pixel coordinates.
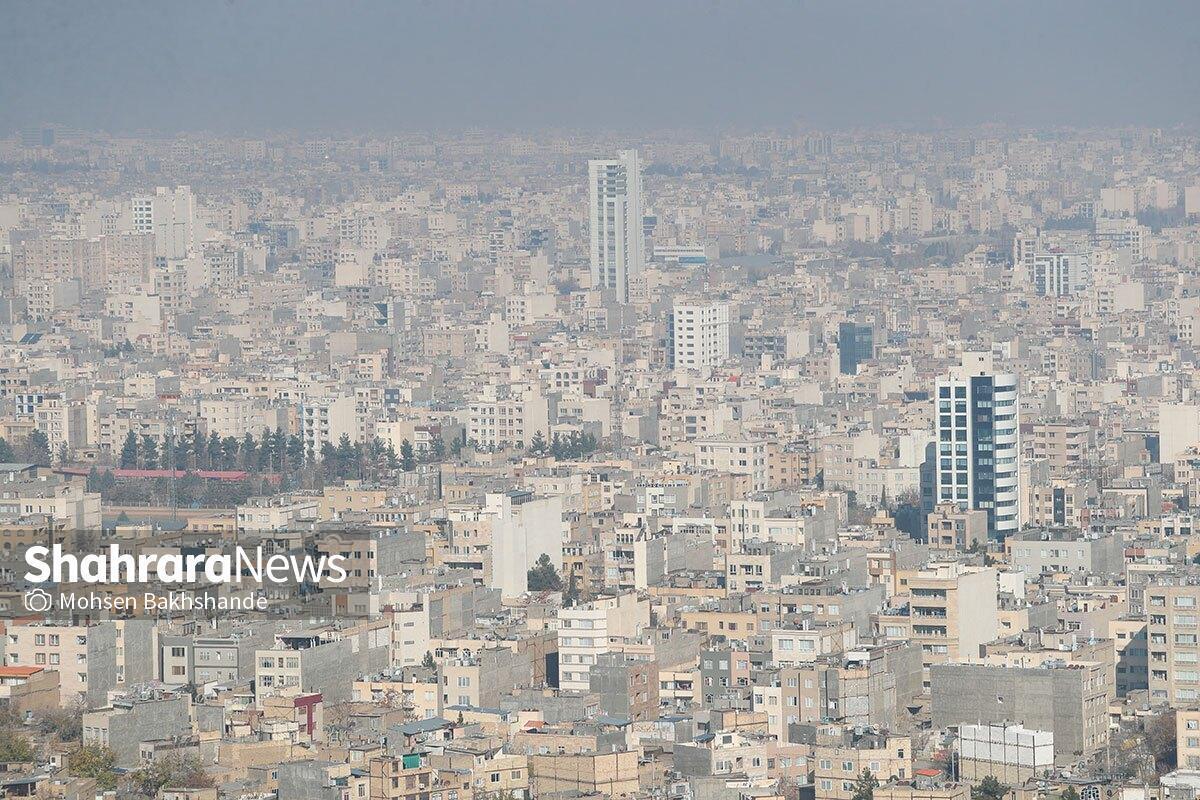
(14, 747)
(170, 771)
(989, 789)
(229, 453)
(428, 662)
(537, 445)
(295, 452)
(248, 453)
(408, 459)
(6, 452)
(166, 456)
(346, 460)
(39, 447)
(215, 451)
(329, 460)
(571, 596)
(148, 452)
(544, 577)
(180, 452)
(199, 449)
(95, 761)
(437, 451)
(129, 451)
(865, 786)
(65, 724)
(279, 445)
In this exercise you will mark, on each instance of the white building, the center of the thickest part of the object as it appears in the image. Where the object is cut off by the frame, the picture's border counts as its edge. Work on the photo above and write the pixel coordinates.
(978, 433)
(324, 420)
(618, 247)
(1058, 273)
(590, 630)
(697, 336)
(524, 526)
(170, 216)
(734, 456)
(1011, 753)
(1122, 232)
(513, 421)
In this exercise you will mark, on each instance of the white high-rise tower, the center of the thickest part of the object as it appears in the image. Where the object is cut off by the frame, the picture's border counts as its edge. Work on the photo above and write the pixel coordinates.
(618, 247)
(697, 335)
(979, 443)
(170, 216)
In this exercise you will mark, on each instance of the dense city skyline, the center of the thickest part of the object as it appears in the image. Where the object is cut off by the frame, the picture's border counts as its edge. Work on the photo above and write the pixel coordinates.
(599, 401)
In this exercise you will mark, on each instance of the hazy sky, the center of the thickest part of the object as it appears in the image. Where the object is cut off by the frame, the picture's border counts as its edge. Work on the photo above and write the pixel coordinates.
(369, 65)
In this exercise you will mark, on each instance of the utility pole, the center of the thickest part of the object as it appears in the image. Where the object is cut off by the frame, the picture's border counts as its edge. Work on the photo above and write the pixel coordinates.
(171, 461)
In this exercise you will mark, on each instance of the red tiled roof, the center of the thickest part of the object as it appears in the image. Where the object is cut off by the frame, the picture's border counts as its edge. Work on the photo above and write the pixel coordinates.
(19, 672)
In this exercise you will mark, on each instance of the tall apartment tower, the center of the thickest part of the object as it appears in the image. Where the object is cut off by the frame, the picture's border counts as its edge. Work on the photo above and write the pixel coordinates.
(1172, 601)
(1025, 248)
(977, 415)
(169, 215)
(618, 247)
(1059, 273)
(856, 344)
(697, 335)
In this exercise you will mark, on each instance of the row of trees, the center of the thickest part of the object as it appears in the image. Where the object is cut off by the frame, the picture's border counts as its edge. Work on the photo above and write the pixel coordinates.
(176, 771)
(571, 446)
(33, 449)
(987, 789)
(189, 491)
(273, 451)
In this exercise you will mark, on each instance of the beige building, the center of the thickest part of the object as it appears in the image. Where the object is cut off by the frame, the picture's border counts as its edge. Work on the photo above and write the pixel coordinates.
(415, 690)
(70, 505)
(63, 648)
(611, 774)
(1187, 737)
(1061, 502)
(840, 756)
(1173, 646)
(957, 529)
(506, 419)
(736, 457)
(953, 609)
(923, 790)
(404, 777)
(1063, 444)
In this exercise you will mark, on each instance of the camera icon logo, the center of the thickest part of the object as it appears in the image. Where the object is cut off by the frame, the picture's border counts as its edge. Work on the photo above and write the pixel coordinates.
(38, 600)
